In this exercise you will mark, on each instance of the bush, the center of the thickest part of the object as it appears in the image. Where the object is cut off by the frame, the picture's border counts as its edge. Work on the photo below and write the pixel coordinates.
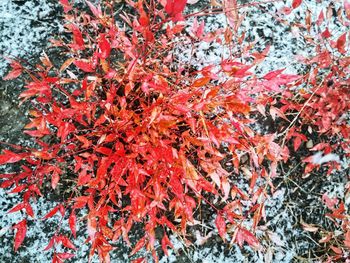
(125, 131)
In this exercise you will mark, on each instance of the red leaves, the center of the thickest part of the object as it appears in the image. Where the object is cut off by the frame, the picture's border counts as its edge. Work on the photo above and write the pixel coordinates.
(60, 239)
(131, 130)
(24, 205)
(65, 242)
(221, 226)
(296, 3)
(21, 228)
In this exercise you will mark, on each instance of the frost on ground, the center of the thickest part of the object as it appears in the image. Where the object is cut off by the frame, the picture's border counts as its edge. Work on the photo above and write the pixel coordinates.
(24, 29)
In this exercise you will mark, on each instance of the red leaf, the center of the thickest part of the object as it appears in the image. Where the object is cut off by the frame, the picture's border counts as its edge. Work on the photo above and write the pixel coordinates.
(140, 244)
(174, 7)
(84, 66)
(77, 37)
(65, 255)
(54, 180)
(296, 3)
(347, 239)
(326, 33)
(66, 5)
(84, 140)
(7, 183)
(14, 73)
(320, 18)
(20, 234)
(221, 226)
(144, 20)
(201, 82)
(337, 250)
(66, 242)
(18, 189)
(9, 157)
(104, 46)
(56, 259)
(273, 74)
(341, 43)
(17, 208)
(16, 70)
(104, 150)
(72, 223)
(95, 10)
(166, 243)
(347, 8)
(243, 235)
(297, 143)
(51, 243)
(330, 202)
(51, 213)
(83, 178)
(29, 210)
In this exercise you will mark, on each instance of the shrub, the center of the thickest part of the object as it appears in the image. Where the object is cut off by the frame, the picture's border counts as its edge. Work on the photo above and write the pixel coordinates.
(125, 131)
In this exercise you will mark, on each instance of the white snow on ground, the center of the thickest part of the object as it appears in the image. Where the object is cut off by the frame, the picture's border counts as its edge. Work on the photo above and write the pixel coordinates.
(23, 28)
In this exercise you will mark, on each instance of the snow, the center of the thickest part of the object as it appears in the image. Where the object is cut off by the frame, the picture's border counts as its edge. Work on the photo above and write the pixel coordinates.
(25, 27)
(317, 158)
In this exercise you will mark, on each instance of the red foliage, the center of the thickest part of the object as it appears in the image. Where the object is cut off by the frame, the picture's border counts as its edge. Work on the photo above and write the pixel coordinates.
(124, 130)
